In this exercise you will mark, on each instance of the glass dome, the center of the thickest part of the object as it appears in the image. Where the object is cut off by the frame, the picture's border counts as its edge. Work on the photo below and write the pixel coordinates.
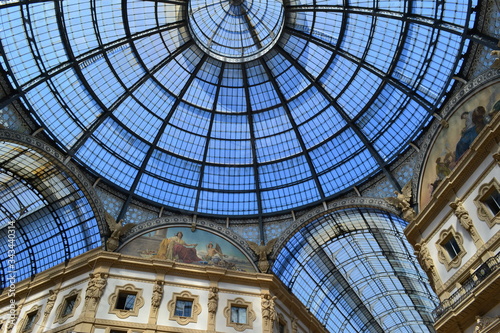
(234, 107)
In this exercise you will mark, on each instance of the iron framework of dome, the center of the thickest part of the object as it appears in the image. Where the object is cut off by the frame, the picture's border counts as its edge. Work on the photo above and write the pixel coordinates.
(233, 107)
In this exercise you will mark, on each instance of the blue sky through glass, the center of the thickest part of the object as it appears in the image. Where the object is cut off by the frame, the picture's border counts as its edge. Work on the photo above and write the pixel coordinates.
(334, 94)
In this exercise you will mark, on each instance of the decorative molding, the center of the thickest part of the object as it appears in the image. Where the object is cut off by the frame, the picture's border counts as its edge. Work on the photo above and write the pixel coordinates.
(95, 289)
(50, 302)
(130, 290)
(60, 317)
(483, 212)
(239, 302)
(475, 261)
(188, 270)
(75, 273)
(479, 151)
(443, 256)
(35, 309)
(195, 309)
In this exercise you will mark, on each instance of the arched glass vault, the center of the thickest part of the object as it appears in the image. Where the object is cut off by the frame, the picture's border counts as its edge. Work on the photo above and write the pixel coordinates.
(46, 217)
(233, 107)
(355, 271)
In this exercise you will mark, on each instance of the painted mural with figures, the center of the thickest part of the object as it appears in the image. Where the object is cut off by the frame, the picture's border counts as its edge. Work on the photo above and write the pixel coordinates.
(180, 244)
(452, 143)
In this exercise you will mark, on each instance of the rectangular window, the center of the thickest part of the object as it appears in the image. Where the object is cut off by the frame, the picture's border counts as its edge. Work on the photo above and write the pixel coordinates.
(125, 301)
(452, 247)
(69, 304)
(183, 308)
(238, 315)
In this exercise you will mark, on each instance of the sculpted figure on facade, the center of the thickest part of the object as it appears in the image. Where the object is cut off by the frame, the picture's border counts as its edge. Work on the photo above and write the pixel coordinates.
(295, 325)
(465, 220)
(268, 308)
(402, 201)
(483, 322)
(496, 156)
(426, 262)
(213, 300)
(262, 251)
(50, 302)
(117, 230)
(157, 294)
(95, 289)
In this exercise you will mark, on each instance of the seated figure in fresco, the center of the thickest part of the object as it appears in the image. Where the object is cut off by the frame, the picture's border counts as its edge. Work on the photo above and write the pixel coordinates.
(175, 248)
(474, 124)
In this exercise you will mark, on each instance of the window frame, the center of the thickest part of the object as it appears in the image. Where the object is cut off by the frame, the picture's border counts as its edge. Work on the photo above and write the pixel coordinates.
(30, 317)
(483, 210)
(195, 307)
(73, 294)
(443, 254)
(250, 314)
(128, 289)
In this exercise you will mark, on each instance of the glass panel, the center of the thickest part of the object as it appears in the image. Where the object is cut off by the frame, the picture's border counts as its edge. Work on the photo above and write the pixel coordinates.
(68, 307)
(238, 315)
(155, 98)
(183, 308)
(355, 272)
(125, 301)
(452, 247)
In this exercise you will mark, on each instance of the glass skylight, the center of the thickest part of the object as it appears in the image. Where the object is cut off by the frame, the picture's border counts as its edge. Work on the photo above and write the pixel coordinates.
(355, 271)
(232, 107)
(235, 30)
(44, 215)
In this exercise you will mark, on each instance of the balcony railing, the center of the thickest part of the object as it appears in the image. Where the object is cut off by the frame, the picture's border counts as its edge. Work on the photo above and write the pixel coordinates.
(485, 270)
